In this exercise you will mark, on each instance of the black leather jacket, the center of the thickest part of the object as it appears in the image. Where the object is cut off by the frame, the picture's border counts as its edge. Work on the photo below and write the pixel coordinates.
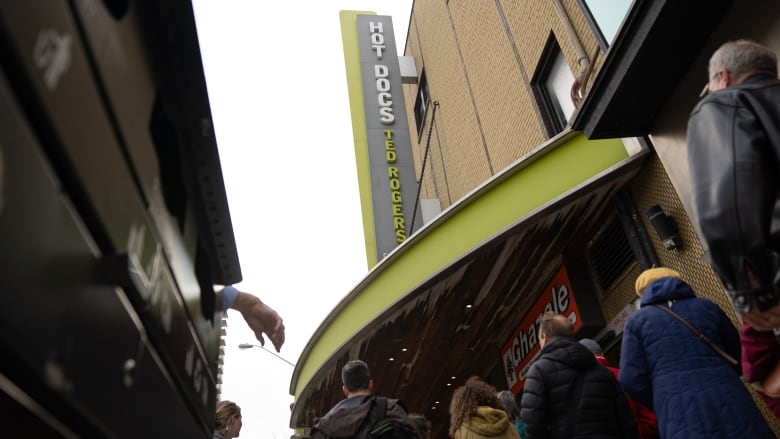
(734, 161)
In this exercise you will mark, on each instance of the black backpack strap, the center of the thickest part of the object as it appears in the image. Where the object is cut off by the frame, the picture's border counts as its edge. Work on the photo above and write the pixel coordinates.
(368, 420)
(376, 413)
(380, 408)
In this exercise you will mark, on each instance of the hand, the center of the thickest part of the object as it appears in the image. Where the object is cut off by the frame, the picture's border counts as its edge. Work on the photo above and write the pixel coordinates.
(261, 318)
(762, 320)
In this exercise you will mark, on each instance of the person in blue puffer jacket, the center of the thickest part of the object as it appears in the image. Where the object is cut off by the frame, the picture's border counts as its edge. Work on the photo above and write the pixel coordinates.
(694, 392)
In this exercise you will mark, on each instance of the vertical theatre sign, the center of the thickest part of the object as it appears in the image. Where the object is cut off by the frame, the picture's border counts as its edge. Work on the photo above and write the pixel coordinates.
(518, 352)
(391, 166)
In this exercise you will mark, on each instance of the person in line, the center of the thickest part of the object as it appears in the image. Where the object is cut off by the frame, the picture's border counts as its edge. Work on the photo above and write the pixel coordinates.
(261, 318)
(350, 415)
(475, 413)
(421, 424)
(694, 391)
(567, 394)
(645, 419)
(507, 400)
(228, 420)
(760, 359)
(733, 157)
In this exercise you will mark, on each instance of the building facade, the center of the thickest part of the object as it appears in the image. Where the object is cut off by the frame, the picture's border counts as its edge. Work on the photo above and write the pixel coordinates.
(552, 136)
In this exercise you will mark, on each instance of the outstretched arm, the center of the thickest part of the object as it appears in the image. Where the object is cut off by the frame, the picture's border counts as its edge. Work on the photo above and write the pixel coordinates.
(261, 318)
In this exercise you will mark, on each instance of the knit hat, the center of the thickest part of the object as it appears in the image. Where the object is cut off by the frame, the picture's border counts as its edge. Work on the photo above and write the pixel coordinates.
(651, 275)
(593, 345)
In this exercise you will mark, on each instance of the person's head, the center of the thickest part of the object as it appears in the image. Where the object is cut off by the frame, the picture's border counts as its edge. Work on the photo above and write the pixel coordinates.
(736, 61)
(592, 345)
(466, 399)
(421, 424)
(228, 419)
(554, 325)
(356, 378)
(507, 399)
(651, 275)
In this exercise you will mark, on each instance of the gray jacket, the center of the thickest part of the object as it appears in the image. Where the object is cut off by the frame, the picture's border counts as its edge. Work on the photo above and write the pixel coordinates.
(734, 160)
(347, 417)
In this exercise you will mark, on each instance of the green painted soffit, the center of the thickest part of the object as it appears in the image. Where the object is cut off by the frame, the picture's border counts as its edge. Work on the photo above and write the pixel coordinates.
(349, 38)
(553, 170)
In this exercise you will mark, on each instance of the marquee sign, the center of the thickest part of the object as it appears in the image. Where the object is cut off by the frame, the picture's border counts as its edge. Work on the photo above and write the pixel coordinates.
(391, 166)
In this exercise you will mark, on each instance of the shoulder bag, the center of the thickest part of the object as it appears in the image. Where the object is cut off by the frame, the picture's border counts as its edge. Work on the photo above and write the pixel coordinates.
(726, 357)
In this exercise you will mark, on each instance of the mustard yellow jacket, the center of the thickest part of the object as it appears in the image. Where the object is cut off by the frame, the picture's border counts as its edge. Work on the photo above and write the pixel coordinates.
(486, 423)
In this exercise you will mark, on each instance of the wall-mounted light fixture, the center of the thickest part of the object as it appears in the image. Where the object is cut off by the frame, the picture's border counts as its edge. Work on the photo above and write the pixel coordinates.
(665, 227)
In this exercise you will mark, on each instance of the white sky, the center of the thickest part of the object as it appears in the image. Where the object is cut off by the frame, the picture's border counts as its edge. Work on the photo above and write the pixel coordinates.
(277, 87)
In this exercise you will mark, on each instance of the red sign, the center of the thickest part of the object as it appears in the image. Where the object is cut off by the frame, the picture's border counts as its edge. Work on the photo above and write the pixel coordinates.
(518, 352)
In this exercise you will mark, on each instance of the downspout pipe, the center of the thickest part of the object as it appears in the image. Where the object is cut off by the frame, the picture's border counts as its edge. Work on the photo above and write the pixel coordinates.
(583, 62)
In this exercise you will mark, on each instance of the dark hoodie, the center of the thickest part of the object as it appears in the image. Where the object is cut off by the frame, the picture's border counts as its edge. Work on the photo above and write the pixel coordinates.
(601, 410)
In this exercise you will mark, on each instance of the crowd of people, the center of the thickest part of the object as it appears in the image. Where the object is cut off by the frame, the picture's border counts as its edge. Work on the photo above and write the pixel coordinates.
(675, 380)
(684, 367)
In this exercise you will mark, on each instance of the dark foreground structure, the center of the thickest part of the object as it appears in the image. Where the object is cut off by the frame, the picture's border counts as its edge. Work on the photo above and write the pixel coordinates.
(114, 223)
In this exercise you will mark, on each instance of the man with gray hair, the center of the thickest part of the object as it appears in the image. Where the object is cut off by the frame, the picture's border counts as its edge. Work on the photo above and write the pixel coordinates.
(734, 160)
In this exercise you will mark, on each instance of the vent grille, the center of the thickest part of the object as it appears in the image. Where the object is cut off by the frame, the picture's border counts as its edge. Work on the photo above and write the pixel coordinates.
(610, 254)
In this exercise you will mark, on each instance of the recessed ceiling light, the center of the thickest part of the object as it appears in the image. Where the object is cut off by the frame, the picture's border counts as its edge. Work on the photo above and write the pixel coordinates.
(391, 359)
(404, 349)
(452, 378)
(449, 384)
(468, 306)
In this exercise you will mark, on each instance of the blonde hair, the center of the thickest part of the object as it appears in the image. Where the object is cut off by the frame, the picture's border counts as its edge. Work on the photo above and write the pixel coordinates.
(226, 411)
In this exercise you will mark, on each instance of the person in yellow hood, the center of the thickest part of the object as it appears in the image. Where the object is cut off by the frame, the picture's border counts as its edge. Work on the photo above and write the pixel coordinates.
(475, 413)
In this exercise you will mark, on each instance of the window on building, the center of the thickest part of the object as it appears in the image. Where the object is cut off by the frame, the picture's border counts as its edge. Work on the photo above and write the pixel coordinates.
(605, 17)
(552, 84)
(421, 103)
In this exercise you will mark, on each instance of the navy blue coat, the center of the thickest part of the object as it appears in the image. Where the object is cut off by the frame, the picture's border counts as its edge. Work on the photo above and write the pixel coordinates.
(664, 365)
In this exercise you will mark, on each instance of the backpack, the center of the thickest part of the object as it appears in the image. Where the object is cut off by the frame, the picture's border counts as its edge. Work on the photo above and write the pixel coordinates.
(377, 426)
